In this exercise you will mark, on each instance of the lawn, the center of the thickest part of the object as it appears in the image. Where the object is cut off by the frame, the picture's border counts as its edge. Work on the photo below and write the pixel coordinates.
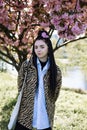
(71, 106)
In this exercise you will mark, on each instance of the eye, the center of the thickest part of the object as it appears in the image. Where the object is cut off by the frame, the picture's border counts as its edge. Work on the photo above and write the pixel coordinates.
(42, 46)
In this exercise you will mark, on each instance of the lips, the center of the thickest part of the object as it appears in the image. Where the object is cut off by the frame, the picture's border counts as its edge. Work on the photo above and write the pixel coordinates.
(39, 53)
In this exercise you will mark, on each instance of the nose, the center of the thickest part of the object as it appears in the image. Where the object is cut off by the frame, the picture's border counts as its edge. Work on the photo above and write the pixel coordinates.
(38, 50)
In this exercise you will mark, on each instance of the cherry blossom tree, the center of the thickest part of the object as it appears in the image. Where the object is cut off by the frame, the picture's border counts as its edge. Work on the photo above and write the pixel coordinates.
(20, 21)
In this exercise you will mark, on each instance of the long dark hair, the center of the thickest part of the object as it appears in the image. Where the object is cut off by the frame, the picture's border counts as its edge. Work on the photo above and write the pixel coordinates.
(43, 35)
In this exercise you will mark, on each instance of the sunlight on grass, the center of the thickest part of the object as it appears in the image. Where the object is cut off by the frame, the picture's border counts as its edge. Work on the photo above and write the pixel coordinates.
(71, 111)
(8, 93)
(70, 114)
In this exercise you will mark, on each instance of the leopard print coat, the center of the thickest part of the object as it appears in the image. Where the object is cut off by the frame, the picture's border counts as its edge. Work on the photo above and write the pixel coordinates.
(26, 109)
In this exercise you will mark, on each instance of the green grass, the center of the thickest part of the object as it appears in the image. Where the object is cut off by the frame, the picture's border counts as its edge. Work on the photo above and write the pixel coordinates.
(71, 111)
(71, 106)
(8, 93)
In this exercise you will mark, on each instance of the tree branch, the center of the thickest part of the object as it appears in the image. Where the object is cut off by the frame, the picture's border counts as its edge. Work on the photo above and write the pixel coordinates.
(67, 42)
(51, 32)
(9, 56)
(18, 19)
(5, 60)
(7, 32)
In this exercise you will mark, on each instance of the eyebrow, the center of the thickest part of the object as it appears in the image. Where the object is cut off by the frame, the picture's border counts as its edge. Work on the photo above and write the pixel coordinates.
(37, 45)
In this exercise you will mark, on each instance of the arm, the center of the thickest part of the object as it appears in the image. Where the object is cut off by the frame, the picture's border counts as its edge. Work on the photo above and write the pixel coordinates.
(59, 83)
(21, 75)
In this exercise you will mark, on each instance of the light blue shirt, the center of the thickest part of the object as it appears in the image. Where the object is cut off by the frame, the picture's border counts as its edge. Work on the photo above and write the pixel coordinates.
(40, 116)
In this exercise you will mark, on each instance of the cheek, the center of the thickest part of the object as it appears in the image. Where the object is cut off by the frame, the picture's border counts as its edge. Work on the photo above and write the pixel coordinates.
(47, 49)
(35, 51)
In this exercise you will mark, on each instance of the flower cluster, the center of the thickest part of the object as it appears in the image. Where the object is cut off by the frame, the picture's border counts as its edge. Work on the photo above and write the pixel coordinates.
(44, 35)
(68, 18)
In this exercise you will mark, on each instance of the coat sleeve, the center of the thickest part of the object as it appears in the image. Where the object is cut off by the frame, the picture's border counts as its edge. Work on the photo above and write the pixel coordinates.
(59, 83)
(21, 75)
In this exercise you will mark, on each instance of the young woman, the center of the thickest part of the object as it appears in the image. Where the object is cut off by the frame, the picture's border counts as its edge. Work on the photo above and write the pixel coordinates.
(42, 86)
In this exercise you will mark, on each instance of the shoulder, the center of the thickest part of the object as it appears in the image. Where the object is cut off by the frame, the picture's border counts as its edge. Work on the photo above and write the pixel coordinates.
(28, 64)
(24, 64)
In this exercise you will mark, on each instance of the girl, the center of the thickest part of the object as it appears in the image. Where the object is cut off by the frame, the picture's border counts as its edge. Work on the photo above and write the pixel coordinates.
(42, 86)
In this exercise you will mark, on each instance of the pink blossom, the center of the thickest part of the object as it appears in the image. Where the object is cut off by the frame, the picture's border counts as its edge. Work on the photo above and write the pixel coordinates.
(44, 35)
(44, 24)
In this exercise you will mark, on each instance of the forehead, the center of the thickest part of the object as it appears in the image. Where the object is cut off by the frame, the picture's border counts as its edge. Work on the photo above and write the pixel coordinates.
(40, 42)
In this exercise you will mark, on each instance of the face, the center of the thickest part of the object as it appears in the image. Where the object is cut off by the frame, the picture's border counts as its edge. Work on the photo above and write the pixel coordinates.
(41, 50)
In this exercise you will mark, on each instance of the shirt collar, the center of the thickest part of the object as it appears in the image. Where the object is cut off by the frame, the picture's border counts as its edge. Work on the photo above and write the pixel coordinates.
(46, 66)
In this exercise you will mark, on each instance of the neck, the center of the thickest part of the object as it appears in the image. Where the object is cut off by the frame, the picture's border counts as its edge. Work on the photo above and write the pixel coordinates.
(44, 59)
